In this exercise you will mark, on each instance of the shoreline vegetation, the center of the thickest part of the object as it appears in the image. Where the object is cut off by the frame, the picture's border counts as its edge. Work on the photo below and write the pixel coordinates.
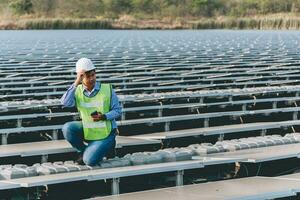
(150, 14)
(258, 23)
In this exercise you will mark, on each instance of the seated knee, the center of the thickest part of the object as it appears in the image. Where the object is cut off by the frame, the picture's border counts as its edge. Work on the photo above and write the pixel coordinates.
(66, 129)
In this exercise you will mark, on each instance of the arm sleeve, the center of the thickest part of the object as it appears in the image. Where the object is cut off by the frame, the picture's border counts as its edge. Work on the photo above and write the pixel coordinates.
(68, 99)
(116, 109)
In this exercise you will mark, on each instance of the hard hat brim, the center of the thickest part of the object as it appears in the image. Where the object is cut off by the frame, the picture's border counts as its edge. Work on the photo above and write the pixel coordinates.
(93, 68)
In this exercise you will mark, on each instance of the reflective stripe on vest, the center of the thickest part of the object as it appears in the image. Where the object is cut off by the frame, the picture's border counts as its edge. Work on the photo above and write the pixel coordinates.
(87, 105)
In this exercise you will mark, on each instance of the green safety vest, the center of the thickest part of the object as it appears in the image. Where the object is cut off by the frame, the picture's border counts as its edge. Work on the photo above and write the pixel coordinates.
(87, 105)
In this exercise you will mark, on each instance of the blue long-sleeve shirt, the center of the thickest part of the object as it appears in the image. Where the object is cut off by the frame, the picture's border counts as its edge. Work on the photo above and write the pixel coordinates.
(68, 100)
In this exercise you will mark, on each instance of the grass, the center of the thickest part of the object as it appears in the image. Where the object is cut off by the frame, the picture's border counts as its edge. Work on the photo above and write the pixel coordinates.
(279, 22)
(65, 24)
(270, 22)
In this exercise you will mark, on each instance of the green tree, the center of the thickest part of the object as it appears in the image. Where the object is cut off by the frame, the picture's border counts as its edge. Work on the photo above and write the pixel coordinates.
(204, 7)
(118, 7)
(141, 6)
(21, 6)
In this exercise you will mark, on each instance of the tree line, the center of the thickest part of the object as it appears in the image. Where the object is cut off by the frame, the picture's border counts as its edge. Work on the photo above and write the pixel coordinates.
(149, 8)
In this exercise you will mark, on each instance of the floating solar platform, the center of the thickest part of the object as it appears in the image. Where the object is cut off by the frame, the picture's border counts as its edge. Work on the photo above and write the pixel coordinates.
(173, 86)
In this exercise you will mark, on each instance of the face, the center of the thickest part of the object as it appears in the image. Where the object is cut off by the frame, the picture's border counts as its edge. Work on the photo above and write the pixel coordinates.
(89, 78)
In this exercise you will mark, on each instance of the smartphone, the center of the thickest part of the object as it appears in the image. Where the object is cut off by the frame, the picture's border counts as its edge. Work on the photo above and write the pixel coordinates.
(94, 113)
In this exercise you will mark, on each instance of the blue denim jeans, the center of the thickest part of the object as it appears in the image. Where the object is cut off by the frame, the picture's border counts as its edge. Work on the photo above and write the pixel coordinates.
(94, 151)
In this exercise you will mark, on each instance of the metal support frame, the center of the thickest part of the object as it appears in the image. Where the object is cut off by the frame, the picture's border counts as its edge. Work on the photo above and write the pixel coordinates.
(263, 132)
(295, 115)
(221, 137)
(165, 143)
(234, 117)
(115, 186)
(19, 123)
(244, 107)
(241, 120)
(274, 105)
(206, 122)
(179, 177)
(55, 135)
(123, 116)
(122, 104)
(167, 126)
(28, 195)
(160, 109)
(254, 98)
(159, 112)
(201, 100)
(44, 158)
(4, 138)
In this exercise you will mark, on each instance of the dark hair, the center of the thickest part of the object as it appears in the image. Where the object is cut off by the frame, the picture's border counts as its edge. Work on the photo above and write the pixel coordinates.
(87, 72)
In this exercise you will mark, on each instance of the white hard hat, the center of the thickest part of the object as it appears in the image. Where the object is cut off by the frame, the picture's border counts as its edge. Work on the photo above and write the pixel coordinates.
(84, 64)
